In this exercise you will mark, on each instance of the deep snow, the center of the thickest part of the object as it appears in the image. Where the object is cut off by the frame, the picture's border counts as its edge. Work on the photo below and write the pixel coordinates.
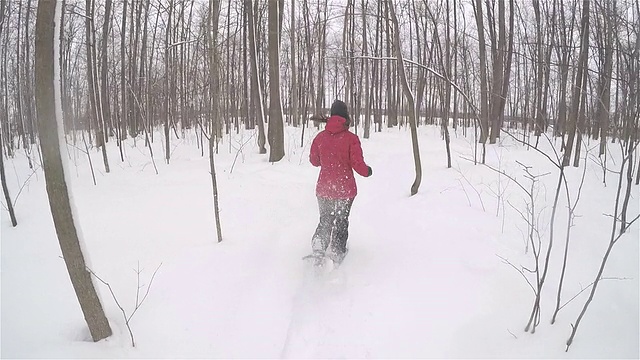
(423, 278)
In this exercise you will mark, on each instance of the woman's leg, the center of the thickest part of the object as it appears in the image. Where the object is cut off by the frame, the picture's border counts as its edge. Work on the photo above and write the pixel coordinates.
(322, 236)
(339, 244)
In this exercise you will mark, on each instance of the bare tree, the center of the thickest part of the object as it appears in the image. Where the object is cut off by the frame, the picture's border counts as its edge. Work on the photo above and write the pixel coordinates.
(122, 130)
(4, 103)
(168, 103)
(95, 98)
(445, 88)
(410, 101)
(580, 85)
(484, 92)
(627, 161)
(276, 124)
(604, 36)
(295, 120)
(502, 54)
(5, 189)
(256, 89)
(214, 96)
(50, 127)
(104, 70)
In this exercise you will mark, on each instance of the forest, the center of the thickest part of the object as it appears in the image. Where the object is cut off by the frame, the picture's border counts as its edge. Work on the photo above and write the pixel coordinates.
(128, 67)
(559, 78)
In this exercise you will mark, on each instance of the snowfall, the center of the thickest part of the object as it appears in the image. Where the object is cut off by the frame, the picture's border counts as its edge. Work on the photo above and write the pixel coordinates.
(441, 274)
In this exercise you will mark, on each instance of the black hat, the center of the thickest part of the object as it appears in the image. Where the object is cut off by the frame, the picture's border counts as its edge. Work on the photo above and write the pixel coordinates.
(340, 108)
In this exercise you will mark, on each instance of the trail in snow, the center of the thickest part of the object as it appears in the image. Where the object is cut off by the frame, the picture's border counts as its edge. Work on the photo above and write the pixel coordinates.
(319, 306)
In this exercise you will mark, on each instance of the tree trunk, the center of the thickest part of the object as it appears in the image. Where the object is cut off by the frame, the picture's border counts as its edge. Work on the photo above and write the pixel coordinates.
(276, 125)
(293, 102)
(256, 88)
(322, 44)
(168, 106)
(538, 119)
(95, 99)
(123, 88)
(484, 102)
(410, 101)
(604, 93)
(214, 80)
(49, 127)
(5, 189)
(367, 87)
(106, 111)
(578, 88)
(447, 97)
(499, 73)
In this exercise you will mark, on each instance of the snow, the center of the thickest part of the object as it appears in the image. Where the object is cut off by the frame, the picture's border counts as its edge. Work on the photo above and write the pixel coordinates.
(423, 277)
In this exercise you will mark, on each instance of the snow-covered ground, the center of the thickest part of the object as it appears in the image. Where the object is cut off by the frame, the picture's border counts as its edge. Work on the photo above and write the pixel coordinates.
(423, 279)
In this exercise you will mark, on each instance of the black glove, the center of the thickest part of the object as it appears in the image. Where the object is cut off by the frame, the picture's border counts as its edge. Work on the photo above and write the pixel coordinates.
(370, 171)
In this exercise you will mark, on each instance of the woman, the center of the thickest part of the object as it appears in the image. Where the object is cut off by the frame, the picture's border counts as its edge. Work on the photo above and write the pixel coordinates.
(338, 152)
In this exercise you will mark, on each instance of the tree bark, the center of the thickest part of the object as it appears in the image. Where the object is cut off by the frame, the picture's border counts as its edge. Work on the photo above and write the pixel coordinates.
(276, 125)
(168, 106)
(256, 89)
(49, 127)
(604, 93)
(5, 189)
(410, 101)
(104, 71)
(578, 88)
(295, 120)
(214, 80)
(484, 101)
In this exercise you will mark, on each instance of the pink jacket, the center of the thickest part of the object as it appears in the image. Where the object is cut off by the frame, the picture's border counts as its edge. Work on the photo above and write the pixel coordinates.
(338, 152)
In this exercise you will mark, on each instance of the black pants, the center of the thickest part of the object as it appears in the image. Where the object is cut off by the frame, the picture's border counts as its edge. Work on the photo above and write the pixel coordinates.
(333, 228)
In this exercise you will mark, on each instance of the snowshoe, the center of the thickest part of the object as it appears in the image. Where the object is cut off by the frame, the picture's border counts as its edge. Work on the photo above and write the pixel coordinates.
(337, 257)
(317, 258)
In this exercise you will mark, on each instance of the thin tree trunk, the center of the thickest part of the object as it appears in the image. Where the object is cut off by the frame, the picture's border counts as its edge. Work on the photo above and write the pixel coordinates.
(28, 81)
(168, 106)
(276, 124)
(214, 79)
(104, 94)
(410, 101)
(106, 111)
(604, 93)
(499, 73)
(613, 240)
(484, 102)
(293, 102)
(579, 83)
(367, 87)
(123, 121)
(256, 87)
(5, 189)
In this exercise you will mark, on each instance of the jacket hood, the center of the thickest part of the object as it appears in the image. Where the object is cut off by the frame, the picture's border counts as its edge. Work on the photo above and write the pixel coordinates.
(336, 124)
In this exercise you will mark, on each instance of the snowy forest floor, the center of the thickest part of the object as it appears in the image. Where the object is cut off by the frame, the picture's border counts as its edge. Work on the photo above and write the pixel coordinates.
(423, 278)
